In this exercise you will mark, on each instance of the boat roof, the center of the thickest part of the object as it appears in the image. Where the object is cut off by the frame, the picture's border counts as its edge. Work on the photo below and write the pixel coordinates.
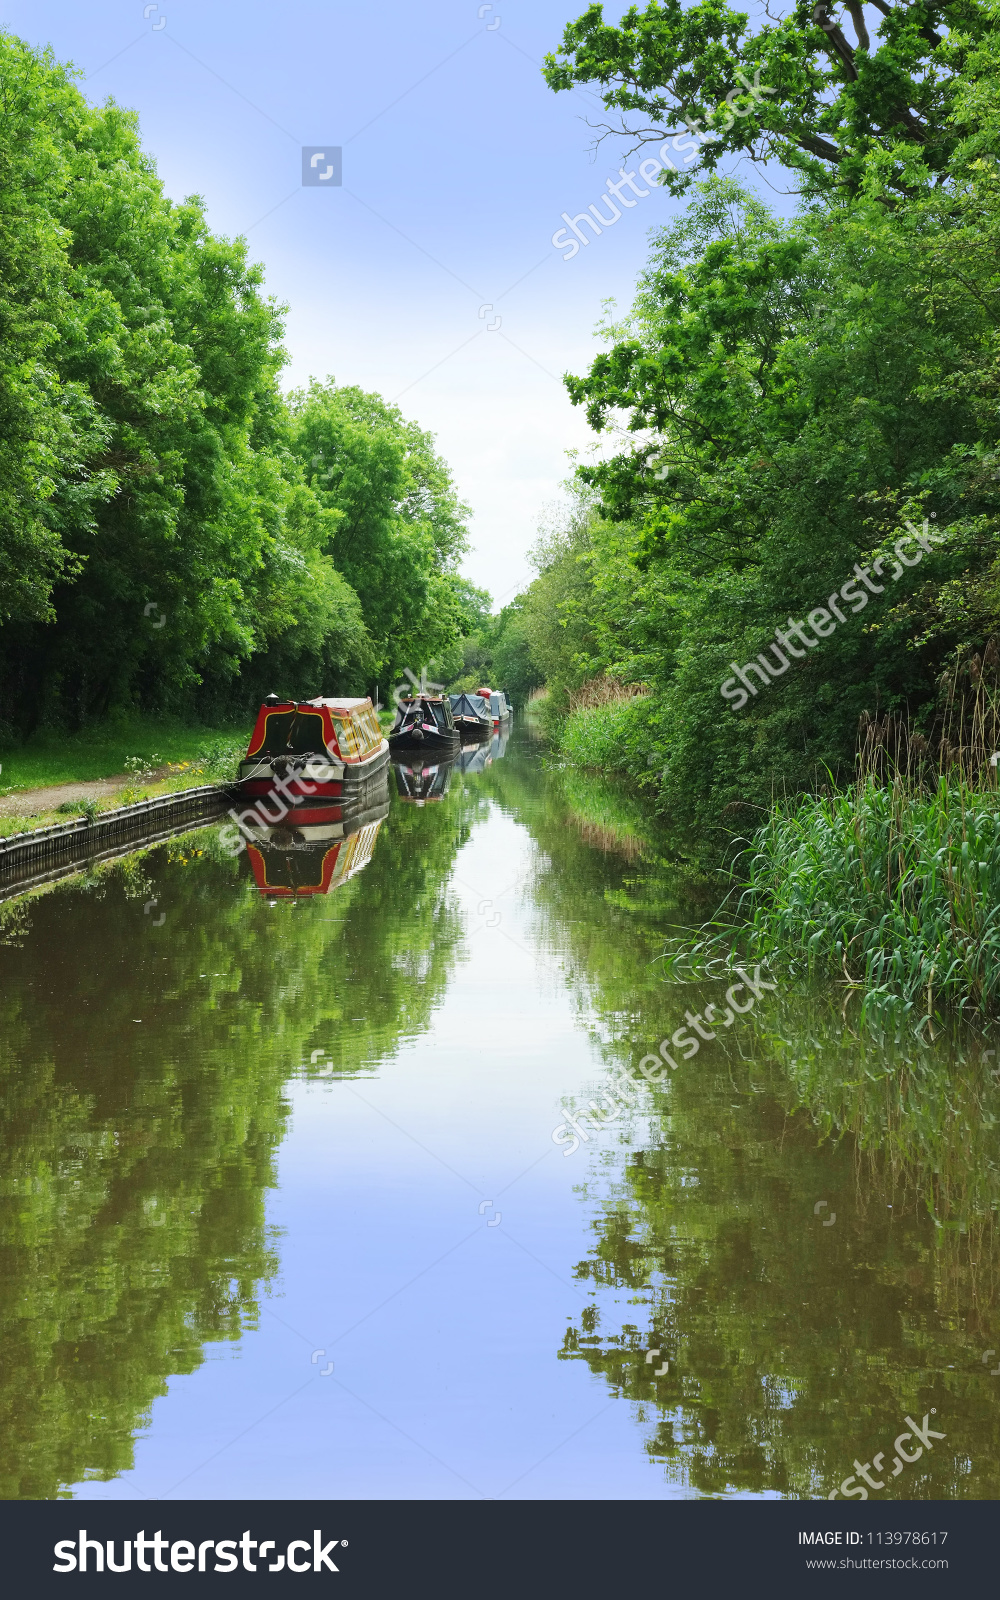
(338, 704)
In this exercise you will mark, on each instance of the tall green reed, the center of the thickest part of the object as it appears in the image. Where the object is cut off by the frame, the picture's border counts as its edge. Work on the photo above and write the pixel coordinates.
(892, 884)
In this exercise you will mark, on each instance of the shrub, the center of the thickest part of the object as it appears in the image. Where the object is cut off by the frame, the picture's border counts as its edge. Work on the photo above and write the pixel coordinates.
(888, 886)
(612, 735)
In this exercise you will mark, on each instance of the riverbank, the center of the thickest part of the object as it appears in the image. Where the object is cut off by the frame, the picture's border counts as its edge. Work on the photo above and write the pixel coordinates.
(52, 778)
(889, 885)
(892, 887)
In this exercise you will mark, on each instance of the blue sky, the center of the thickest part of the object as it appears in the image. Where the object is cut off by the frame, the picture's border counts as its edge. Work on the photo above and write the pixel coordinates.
(457, 163)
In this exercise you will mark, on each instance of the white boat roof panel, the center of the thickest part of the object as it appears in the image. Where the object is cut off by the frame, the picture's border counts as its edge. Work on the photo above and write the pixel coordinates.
(337, 705)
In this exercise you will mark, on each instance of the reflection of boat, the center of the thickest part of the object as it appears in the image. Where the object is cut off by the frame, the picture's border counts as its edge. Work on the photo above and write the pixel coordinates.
(321, 749)
(476, 757)
(424, 723)
(420, 782)
(498, 744)
(313, 858)
(473, 715)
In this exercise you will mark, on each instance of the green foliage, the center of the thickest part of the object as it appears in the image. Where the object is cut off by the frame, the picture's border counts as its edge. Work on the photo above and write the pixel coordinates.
(218, 760)
(897, 890)
(102, 750)
(613, 736)
(781, 400)
(136, 1156)
(393, 522)
(161, 352)
(164, 520)
(497, 651)
(827, 107)
(701, 1196)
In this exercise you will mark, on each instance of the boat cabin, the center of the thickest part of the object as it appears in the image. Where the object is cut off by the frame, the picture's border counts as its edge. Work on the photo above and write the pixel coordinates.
(424, 721)
(345, 729)
(328, 742)
(498, 703)
(472, 712)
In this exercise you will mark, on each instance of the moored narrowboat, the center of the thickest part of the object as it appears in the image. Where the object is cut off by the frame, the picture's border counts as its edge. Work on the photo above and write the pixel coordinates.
(473, 715)
(318, 750)
(496, 699)
(424, 722)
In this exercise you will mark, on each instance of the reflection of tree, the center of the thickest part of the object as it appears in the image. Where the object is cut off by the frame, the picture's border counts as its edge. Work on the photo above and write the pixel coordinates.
(381, 979)
(135, 1154)
(792, 1348)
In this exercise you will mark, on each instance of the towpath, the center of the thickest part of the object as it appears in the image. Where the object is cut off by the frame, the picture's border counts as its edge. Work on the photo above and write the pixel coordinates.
(38, 802)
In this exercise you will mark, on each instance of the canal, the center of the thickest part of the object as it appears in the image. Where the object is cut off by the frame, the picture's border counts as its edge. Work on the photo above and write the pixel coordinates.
(282, 1215)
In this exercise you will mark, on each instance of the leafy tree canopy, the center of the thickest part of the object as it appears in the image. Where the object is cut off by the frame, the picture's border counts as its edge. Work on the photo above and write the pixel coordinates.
(830, 93)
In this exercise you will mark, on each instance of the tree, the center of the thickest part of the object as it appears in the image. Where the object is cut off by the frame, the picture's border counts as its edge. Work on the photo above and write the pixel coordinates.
(820, 102)
(400, 526)
(160, 526)
(141, 478)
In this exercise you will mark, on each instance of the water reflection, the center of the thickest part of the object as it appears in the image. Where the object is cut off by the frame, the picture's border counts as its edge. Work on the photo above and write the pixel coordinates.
(421, 781)
(805, 1213)
(299, 861)
(761, 1266)
(144, 1066)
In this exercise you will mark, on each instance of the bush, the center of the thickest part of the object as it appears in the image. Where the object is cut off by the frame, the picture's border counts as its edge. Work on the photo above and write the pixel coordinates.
(612, 735)
(889, 887)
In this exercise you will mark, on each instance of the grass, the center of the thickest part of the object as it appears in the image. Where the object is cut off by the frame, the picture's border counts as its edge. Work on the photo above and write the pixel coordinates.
(103, 751)
(605, 736)
(892, 886)
(208, 756)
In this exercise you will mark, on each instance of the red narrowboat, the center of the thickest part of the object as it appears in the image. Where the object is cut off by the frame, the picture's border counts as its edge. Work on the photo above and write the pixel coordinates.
(311, 752)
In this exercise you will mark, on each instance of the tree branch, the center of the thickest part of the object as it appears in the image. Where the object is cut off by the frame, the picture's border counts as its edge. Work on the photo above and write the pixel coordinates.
(888, 11)
(858, 18)
(818, 147)
(838, 44)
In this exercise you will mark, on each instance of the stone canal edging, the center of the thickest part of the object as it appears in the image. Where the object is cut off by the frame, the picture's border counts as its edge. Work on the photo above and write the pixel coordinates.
(81, 838)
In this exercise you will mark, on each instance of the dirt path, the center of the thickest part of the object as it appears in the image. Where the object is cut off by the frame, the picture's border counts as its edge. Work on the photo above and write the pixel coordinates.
(36, 802)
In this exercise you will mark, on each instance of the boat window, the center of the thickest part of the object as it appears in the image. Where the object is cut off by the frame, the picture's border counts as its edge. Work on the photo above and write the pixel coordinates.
(305, 733)
(345, 737)
(298, 732)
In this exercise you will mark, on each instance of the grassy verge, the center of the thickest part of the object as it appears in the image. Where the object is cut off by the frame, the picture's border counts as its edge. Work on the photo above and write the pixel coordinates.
(894, 888)
(207, 756)
(890, 887)
(607, 736)
(102, 752)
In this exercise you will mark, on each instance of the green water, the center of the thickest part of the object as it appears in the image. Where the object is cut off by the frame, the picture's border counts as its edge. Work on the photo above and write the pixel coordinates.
(254, 1156)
